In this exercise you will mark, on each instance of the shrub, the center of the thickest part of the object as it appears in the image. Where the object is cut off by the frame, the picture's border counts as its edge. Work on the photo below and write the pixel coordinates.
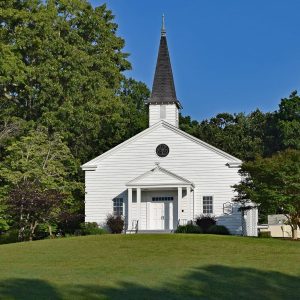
(205, 222)
(69, 223)
(89, 228)
(115, 223)
(218, 229)
(42, 231)
(3, 223)
(10, 236)
(264, 234)
(189, 228)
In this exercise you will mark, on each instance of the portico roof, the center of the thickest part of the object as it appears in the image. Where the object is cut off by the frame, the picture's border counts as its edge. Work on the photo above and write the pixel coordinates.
(159, 176)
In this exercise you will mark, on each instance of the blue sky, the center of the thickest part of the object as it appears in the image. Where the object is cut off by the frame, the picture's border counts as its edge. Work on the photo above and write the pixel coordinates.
(227, 56)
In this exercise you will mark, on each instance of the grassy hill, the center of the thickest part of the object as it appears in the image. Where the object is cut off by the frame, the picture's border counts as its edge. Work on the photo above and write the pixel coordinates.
(151, 267)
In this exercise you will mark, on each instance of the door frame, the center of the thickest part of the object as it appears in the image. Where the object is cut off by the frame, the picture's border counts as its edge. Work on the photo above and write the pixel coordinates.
(162, 206)
(171, 207)
(167, 214)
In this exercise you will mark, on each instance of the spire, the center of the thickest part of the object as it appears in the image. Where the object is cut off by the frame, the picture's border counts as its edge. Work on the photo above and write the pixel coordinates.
(163, 89)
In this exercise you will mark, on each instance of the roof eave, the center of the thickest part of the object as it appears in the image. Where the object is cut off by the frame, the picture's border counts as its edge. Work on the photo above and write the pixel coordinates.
(157, 102)
(234, 164)
(86, 167)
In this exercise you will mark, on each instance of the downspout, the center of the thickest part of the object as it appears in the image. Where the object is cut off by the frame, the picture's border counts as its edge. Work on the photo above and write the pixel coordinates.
(193, 205)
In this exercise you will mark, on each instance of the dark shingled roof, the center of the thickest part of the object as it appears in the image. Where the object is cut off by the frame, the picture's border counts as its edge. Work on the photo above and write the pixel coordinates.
(163, 89)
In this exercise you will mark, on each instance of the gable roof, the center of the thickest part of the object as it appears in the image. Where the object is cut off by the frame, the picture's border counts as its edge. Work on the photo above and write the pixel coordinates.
(159, 176)
(92, 164)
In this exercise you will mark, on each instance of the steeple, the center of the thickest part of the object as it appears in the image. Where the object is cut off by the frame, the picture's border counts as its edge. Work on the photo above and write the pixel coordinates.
(163, 89)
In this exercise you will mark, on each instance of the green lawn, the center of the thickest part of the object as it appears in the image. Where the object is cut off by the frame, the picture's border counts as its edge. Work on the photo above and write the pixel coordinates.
(151, 267)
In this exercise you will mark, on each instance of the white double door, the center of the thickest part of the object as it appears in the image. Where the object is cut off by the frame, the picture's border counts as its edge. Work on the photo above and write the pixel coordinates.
(161, 215)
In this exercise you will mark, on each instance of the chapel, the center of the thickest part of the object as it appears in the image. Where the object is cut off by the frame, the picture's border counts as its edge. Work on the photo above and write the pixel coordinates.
(163, 177)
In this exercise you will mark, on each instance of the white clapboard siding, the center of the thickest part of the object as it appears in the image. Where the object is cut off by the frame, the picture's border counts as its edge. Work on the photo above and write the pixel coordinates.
(154, 114)
(169, 114)
(203, 166)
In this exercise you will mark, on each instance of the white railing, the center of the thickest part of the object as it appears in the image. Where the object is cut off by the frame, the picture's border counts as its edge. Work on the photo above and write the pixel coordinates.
(134, 226)
(182, 222)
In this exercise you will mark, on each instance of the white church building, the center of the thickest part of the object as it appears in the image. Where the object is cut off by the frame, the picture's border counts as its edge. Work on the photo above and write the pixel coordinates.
(164, 177)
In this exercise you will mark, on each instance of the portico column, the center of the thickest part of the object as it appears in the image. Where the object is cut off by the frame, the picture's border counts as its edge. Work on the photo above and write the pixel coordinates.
(188, 194)
(129, 202)
(179, 201)
(171, 214)
(138, 203)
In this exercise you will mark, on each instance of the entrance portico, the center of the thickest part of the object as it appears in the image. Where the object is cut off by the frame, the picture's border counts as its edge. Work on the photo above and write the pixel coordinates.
(159, 200)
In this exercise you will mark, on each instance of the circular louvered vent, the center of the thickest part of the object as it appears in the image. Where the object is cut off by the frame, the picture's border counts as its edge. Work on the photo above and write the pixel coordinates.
(162, 150)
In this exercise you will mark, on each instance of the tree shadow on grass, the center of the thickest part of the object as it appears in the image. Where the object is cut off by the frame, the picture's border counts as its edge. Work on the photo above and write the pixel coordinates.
(211, 282)
(27, 289)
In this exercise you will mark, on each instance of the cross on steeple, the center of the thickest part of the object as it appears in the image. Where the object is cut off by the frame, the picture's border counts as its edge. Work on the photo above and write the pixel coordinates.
(163, 28)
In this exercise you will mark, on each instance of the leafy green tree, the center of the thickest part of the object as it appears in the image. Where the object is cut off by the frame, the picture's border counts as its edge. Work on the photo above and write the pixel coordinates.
(61, 66)
(134, 94)
(274, 184)
(239, 134)
(282, 127)
(288, 122)
(39, 158)
(3, 218)
(7, 130)
(10, 128)
(188, 125)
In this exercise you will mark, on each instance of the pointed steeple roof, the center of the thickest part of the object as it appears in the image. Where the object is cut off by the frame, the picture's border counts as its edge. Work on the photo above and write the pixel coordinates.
(163, 89)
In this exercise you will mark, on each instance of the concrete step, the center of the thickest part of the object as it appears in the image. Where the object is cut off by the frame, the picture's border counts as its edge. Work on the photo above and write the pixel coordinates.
(155, 231)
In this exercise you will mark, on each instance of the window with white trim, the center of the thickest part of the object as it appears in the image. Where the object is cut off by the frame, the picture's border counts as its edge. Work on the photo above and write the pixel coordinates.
(118, 206)
(208, 204)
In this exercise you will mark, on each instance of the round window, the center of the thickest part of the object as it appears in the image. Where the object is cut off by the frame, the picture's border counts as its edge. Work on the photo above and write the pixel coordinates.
(162, 150)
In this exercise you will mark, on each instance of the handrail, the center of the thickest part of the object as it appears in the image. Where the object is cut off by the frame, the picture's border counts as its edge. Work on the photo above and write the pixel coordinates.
(182, 222)
(137, 226)
(134, 226)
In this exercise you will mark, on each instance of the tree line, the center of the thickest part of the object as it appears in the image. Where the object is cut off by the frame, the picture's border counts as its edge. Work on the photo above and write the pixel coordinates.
(255, 134)
(64, 99)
